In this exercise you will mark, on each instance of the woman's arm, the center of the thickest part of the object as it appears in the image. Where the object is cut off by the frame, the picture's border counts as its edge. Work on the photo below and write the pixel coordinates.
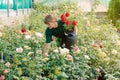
(46, 48)
(76, 30)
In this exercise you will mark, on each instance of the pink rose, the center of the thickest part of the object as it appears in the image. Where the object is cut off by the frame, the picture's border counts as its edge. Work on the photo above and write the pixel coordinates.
(95, 45)
(70, 58)
(5, 71)
(46, 54)
(19, 50)
(97, 70)
(88, 24)
(76, 48)
(2, 77)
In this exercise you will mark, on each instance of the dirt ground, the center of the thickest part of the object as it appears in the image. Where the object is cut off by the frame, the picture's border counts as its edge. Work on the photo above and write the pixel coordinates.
(6, 20)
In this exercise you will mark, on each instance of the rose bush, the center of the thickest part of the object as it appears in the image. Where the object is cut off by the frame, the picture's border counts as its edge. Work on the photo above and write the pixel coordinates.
(69, 24)
(96, 54)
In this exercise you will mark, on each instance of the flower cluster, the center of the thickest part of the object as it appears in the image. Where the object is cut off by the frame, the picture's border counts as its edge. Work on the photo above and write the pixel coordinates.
(69, 24)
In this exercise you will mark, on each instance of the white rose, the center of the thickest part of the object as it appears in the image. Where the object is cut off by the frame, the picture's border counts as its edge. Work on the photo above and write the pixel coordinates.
(27, 36)
(114, 51)
(64, 50)
(0, 34)
(39, 51)
(56, 51)
(87, 57)
(27, 47)
(118, 43)
(7, 64)
(39, 34)
(30, 53)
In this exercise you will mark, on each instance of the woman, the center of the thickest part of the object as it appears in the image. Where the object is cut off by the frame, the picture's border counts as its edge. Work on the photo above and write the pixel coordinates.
(56, 28)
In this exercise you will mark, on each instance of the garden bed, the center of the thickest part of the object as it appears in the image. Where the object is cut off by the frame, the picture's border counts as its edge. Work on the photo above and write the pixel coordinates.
(97, 54)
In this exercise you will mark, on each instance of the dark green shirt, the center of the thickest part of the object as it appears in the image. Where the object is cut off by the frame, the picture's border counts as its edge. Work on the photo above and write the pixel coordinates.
(57, 32)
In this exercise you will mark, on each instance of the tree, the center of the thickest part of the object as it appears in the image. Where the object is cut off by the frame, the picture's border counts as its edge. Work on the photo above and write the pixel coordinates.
(114, 12)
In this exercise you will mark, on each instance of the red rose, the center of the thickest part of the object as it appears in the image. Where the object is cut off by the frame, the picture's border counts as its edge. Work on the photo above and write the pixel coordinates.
(23, 30)
(63, 15)
(101, 45)
(67, 22)
(52, 39)
(63, 18)
(67, 14)
(74, 23)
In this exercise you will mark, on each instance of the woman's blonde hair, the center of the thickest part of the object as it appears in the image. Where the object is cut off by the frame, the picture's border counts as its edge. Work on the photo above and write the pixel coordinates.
(49, 18)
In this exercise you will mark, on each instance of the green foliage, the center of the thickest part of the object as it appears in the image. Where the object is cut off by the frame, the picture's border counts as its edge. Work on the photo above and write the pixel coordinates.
(114, 11)
(118, 24)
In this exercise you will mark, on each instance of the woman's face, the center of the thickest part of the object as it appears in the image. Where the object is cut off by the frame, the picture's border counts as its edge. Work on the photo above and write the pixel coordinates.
(52, 25)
